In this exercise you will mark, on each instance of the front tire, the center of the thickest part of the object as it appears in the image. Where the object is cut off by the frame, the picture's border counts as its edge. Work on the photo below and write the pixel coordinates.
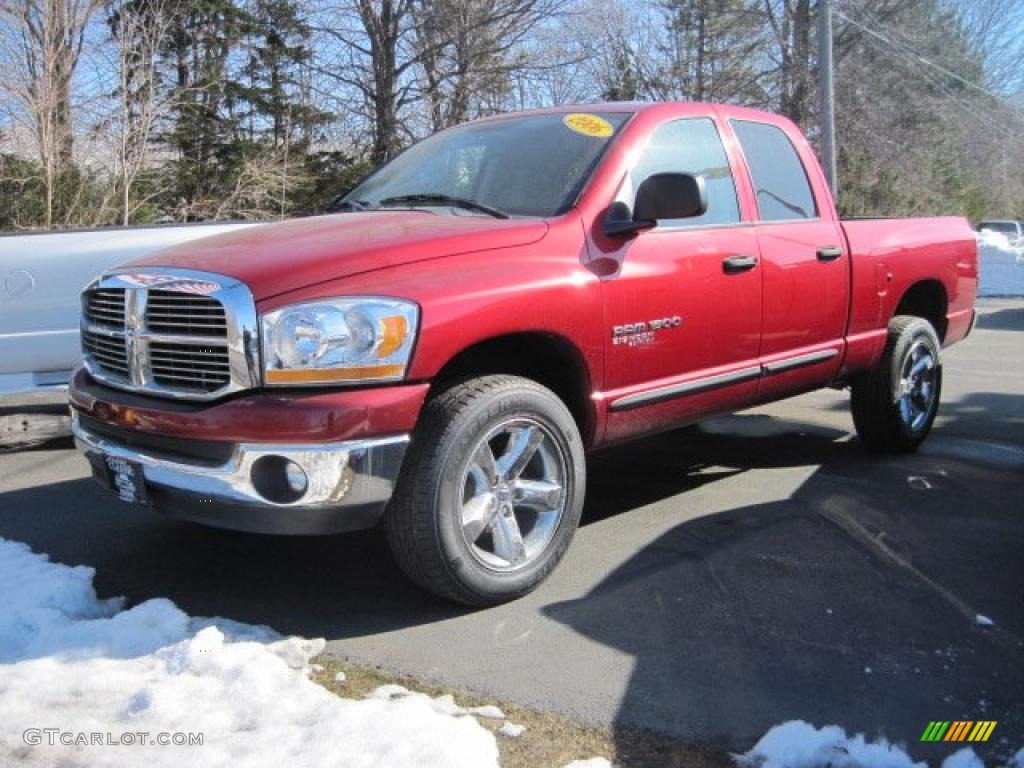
(490, 493)
(894, 405)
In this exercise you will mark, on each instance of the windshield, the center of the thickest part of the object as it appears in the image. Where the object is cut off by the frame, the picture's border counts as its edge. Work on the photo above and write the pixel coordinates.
(533, 165)
(1002, 227)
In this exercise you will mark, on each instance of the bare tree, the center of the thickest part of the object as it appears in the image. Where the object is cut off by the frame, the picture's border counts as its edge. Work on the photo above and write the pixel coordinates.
(371, 41)
(260, 190)
(712, 51)
(790, 22)
(42, 46)
(994, 26)
(468, 49)
(139, 32)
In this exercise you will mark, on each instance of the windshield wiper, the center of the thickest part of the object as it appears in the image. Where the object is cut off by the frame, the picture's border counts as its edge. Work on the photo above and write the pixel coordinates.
(348, 205)
(456, 202)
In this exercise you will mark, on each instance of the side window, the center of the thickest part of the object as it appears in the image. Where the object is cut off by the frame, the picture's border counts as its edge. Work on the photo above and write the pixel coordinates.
(692, 146)
(779, 177)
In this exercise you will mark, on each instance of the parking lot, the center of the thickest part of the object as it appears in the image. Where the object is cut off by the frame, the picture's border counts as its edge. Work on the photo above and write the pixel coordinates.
(759, 568)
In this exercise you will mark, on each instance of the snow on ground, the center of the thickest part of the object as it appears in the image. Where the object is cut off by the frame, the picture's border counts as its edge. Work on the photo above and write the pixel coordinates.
(1001, 268)
(797, 744)
(72, 662)
(75, 669)
(512, 730)
(444, 705)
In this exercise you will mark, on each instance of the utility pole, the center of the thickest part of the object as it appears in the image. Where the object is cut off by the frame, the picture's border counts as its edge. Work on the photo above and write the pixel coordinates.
(827, 110)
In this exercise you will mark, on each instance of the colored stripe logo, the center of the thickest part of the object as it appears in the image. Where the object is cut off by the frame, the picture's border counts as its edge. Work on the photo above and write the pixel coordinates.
(959, 730)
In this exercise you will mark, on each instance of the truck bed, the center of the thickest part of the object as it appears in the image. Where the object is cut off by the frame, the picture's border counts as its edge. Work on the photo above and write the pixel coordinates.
(889, 255)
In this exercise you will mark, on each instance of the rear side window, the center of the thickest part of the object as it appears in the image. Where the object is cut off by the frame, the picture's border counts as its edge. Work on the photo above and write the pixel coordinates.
(691, 145)
(779, 177)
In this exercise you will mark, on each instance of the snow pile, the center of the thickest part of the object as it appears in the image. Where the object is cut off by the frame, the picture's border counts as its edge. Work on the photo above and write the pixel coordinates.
(990, 239)
(797, 744)
(444, 704)
(86, 666)
(1000, 267)
(963, 758)
(512, 730)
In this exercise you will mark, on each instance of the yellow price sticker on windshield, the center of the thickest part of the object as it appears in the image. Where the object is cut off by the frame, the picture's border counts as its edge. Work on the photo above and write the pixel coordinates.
(589, 125)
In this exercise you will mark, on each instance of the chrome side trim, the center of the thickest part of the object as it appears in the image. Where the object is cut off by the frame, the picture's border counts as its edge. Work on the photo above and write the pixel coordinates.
(799, 361)
(242, 338)
(686, 388)
(343, 474)
(721, 380)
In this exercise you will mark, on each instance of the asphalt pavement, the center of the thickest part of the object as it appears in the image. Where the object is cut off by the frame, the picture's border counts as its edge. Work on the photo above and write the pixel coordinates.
(755, 569)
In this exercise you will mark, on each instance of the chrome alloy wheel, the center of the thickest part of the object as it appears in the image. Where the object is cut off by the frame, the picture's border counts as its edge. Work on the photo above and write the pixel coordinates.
(916, 392)
(513, 494)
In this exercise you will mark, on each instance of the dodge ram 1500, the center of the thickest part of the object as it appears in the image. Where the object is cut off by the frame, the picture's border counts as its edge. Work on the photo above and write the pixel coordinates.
(485, 309)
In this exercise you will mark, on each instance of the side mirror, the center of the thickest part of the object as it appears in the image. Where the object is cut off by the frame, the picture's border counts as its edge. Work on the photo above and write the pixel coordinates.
(620, 222)
(661, 196)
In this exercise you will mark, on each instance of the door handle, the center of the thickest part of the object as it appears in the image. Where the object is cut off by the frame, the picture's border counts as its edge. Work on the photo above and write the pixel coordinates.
(736, 264)
(830, 253)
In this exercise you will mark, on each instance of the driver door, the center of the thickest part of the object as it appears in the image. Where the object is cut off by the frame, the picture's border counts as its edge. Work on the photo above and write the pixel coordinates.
(683, 310)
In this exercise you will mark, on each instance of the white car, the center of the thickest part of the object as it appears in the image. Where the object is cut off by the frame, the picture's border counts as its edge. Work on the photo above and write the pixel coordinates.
(1012, 231)
(41, 279)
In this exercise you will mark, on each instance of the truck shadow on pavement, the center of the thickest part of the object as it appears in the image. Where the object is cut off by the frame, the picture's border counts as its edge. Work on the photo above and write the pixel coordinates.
(1008, 319)
(853, 601)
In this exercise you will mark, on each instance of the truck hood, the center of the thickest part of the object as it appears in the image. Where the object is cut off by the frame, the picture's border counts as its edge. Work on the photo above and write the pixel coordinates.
(278, 258)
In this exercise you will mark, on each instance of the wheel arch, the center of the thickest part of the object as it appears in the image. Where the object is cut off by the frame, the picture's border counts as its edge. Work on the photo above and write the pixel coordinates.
(548, 358)
(928, 300)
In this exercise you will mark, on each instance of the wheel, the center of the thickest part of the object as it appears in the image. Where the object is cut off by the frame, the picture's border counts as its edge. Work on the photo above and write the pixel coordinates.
(490, 492)
(895, 404)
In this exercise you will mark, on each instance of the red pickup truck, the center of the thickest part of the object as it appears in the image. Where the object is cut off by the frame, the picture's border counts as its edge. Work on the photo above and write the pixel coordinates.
(441, 353)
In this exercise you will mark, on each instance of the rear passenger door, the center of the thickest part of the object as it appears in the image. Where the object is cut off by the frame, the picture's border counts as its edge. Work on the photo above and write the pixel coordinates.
(805, 271)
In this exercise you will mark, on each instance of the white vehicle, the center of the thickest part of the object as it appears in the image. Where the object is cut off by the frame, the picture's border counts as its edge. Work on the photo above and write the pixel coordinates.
(41, 279)
(1013, 231)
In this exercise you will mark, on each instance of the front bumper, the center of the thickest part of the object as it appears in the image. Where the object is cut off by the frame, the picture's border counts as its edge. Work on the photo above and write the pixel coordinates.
(348, 483)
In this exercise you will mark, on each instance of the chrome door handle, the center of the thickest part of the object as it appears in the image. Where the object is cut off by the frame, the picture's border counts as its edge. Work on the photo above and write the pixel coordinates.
(829, 253)
(736, 264)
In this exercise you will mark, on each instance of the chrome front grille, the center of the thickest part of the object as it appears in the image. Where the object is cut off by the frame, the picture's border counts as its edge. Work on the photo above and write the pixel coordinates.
(107, 352)
(184, 313)
(173, 333)
(189, 365)
(105, 306)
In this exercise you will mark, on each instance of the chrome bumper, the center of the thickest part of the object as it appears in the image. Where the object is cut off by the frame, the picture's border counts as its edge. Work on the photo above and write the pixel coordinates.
(348, 484)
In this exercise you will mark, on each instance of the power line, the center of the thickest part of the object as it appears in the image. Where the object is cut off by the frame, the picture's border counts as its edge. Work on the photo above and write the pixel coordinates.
(928, 62)
(973, 111)
(912, 57)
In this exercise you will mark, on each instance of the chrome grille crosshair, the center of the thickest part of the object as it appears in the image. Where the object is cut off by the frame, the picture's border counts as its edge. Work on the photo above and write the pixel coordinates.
(172, 333)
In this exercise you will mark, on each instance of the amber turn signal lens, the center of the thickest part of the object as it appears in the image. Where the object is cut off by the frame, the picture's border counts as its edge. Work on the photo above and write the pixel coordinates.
(395, 330)
(327, 375)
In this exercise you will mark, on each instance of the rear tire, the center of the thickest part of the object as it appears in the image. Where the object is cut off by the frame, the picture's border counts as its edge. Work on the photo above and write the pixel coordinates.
(894, 405)
(490, 492)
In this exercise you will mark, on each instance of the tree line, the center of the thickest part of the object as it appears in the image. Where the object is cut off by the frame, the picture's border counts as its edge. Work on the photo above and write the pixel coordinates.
(142, 111)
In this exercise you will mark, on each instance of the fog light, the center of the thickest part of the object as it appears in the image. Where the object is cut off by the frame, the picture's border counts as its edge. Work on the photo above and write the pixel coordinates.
(278, 479)
(295, 477)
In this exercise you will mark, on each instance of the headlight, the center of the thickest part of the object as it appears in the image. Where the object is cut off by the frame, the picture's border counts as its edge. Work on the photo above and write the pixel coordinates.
(329, 341)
